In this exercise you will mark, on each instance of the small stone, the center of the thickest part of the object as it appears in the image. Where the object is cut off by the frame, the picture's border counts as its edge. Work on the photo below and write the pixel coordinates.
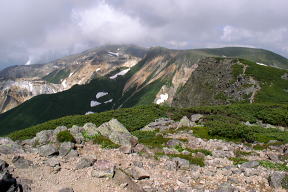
(126, 149)
(123, 185)
(53, 162)
(173, 143)
(170, 165)
(68, 189)
(138, 164)
(225, 187)
(139, 148)
(138, 173)
(181, 163)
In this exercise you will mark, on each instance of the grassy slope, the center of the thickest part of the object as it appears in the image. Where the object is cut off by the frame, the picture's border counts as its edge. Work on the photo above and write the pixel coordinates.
(256, 55)
(220, 121)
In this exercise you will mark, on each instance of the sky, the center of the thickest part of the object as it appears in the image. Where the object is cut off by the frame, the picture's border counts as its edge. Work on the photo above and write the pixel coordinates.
(34, 31)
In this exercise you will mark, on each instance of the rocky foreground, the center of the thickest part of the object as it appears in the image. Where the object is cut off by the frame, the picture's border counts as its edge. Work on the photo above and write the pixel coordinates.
(46, 164)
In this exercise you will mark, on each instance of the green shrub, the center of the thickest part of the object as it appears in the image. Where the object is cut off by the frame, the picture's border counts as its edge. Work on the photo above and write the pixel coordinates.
(192, 160)
(237, 160)
(150, 138)
(204, 151)
(272, 165)
(65, 136)
(239, 153)
(104, 142)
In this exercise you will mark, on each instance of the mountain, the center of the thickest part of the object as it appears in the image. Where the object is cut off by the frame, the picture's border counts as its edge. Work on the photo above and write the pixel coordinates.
(20, 83)
(180, 78)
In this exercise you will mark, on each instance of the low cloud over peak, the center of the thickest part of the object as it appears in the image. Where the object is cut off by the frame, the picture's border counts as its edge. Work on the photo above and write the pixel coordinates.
(38, 31)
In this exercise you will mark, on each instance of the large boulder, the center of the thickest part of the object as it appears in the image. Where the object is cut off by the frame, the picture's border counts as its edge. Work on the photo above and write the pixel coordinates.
(85, 162)
(65, 148)
(278, 180)
(112, 126)
(7, 182)
(121, 138)
(90, 129)
(7, 146)
(48, 150)
(44, 137)
(185, 122)
(21, 163)
(121, 178)
(76, 131)
(196, 117)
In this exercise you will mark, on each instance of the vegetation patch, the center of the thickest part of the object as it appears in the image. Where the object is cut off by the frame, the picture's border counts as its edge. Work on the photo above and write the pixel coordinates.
(238, 160)
(272, 165)
(104, 142)
(65, 136)
(192, 160)
(151, 138)
(240, 153)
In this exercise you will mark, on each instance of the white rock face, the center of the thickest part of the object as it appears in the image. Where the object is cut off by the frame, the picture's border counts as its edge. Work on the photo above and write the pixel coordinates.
(94, 103)
(101, 94)
(162, 99)
(121, 73)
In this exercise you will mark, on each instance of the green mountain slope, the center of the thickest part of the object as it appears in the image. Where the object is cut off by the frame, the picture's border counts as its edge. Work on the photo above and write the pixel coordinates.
(252, 54)
(213, 81)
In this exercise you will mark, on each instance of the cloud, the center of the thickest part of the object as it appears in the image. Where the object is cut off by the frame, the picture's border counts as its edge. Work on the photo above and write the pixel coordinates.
(39, 31)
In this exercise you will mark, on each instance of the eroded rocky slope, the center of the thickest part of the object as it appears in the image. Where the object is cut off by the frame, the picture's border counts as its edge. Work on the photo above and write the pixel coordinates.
(109, 158)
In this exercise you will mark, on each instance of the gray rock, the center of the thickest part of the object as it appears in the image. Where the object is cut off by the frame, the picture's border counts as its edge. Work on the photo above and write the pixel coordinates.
(85, 162)
(170, 165)
(59, 129)
(273, 157)
(72, 153)
(196, 117)
(121, 178)
(160, 124)
(90, 129)
(138, 164)
(225, 187)
(126, 149)
(122, 138)
(173, 143)
(7, 146)
(68, 189)
(185, 122)
(103, 168)
(168, 151)
(275, 179)
(53, 162)
(48, 150)
(76, 129)
(250, 164)
(21, 163)
(285, 76)
(44, 137)
(139, 148)
(181, 163)
(138, 173)
(112, 126)
(3, 165)
(65, 148)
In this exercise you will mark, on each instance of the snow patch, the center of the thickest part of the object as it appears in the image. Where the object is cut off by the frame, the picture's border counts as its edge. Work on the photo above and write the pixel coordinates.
(89, 112)
(101, 94)
(109, 101)
(120, 73)
(98, 69)
(113, 54)
(70, 74)
(262, 64)
(163, 97)
(64, 83)
(94, 103)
